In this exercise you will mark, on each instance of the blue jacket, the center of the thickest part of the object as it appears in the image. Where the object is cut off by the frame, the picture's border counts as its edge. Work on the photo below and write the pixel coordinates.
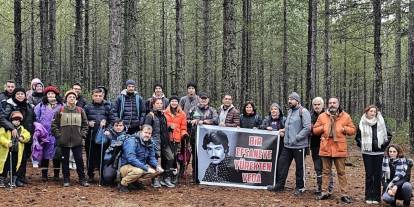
(97, 112)
(138, 153)
(130, 108)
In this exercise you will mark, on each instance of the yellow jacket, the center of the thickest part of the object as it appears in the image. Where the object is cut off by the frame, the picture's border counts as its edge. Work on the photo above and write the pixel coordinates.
(5, 139)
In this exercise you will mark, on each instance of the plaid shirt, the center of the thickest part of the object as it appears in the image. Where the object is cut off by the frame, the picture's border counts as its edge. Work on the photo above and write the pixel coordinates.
(400, 166)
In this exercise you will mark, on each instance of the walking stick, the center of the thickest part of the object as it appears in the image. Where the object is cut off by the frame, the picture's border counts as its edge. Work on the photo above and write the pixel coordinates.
(12, 184)
(100, 162)
(90, 149)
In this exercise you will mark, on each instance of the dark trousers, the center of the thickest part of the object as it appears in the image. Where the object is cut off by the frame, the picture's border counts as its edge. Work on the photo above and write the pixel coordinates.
(317, 165)
(13, 168)
(194, 158)
(21, 172)
(373, 170)
(285, 160)
(44, 164)
(77, 154)
(93, 156)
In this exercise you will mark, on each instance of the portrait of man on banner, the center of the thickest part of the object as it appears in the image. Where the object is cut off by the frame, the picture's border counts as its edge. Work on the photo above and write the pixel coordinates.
(221, 167)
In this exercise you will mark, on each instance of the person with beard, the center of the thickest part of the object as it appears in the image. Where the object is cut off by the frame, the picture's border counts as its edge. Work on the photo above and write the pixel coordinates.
(18, 102)
(250, 118)
(201, 114)
(162, 144)
(138, 159)
(8, 91)
(45, 111)
(296, 134)
(99, 114)
(334, 126)
(158, 93)
(190, 100)
(221, 167)
(372, 137)
(129, 106)
(229, 116)
(35, 94)
(80, 101)
(70, 127)
(315, 140)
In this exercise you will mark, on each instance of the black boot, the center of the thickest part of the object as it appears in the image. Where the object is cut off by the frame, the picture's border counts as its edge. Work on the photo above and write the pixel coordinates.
(17, 181)
(44, 175)
(56, 174)
(2, 182)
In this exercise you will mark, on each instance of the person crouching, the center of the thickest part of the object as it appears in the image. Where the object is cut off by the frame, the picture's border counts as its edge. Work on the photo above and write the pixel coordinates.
(11, 149)
(138, 161)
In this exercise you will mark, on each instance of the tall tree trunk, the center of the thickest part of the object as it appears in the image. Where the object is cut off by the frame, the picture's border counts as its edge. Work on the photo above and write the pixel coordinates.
(32, 46)
(86, 58)
(179, 49)
(196, 45)
(229, 46)
(246, 67)
(43, 13)
(163, 47)
(128, 37)
(52, 42)
(311, 62)
(285, 58)
(377, 53)
(18, 64)
(411, 69)
(327, 57)
(207, 51)
(397, 65)
(115, 47)
(78, 34)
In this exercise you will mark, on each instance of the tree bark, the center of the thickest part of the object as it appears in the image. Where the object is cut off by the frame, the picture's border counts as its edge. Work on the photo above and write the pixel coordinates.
(207, 51)
(327, 50)
(411, 69)
(311, 61)
(377, 53)
(285, 58)
(78, 34)
(115, 47)
(229, 45)
(18, 64)
(246, 68)
(179, 78)
(397, 65)
(52, 42)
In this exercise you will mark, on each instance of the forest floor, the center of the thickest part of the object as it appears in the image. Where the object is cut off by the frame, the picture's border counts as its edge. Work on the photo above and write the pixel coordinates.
(52, 193)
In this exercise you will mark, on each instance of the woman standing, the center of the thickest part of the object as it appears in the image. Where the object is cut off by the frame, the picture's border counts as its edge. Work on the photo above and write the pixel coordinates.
(249, 117)
(45, 111)
(396, 174)
(372, 137)
(70, 126)
(177, 125)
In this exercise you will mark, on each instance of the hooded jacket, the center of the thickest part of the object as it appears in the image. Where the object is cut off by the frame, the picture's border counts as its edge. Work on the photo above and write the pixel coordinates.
(43, 146)
(179, 121)
(70, 125)
(138, 153)
(297, 128)
(28, 115)
(5, 139)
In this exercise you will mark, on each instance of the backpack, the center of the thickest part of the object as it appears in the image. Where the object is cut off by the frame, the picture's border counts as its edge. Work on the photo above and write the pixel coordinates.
(112, 162)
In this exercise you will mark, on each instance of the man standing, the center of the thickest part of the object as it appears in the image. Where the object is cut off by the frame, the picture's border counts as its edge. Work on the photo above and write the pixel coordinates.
(315, 140)
(229, 116)
(129, 107)
(138, 159)
(81, 102)
(8, 91)
(334, 126)
(158, 94)
(99, 114)
(297, 129)
(190, 100)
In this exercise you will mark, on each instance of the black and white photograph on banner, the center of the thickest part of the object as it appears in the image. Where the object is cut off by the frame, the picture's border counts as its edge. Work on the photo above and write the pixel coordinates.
(236, 157)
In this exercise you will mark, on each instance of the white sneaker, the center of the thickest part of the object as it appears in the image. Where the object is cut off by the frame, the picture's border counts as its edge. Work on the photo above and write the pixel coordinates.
(368, 201)
(375, 202)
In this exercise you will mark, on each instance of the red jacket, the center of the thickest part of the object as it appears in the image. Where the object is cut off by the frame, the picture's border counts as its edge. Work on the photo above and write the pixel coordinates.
(178, 121)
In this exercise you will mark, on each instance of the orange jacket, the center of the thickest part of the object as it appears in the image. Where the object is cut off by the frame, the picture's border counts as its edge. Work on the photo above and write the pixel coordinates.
(179, 122)
(343, 127)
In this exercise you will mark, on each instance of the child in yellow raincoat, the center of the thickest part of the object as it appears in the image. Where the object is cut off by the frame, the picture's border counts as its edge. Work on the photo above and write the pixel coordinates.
(13, 147)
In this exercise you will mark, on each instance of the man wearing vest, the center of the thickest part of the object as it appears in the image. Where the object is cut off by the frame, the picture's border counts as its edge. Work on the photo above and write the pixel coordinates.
(297, 129)
(229, 116)
(129, 107)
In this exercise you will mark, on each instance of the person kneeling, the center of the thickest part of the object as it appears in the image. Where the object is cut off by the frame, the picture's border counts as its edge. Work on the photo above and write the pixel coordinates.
(138, 160)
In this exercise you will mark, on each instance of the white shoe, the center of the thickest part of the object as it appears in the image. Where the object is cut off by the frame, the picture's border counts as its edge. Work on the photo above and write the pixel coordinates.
(375, 202)
(368, 201)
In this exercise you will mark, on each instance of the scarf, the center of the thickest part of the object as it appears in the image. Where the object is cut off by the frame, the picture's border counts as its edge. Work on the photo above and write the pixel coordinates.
(365, 126)
(332, 125)
(223, 113)
(386, 171)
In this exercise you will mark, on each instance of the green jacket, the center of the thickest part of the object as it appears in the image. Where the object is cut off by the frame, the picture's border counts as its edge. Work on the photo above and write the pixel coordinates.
(69, 126)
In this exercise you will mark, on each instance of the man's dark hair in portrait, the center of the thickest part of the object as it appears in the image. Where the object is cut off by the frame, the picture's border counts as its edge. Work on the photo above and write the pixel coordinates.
(221, 168)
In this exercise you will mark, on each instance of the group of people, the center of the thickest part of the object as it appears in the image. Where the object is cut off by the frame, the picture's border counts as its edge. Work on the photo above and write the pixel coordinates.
(154, 133)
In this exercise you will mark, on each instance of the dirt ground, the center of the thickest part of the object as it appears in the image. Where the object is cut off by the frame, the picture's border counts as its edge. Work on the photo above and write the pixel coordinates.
(52, 193)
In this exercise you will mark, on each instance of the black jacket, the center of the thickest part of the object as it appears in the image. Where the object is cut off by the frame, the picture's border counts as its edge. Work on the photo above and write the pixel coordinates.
(159, 126)
(28, 115)
(250, 121)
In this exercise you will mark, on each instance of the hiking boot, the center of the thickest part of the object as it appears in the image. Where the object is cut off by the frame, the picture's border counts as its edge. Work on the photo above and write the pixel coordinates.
(91, 180)
(168, 183)
(276, 188)
(84, 183)
(156, 183)
(17, 182)
(66, 182)
(2, 182)
(346, 199)
(123, 189)
(174, 180)
(323, 196)
(55, 178)
(137, 186)
(299, 191)
(23, 180)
